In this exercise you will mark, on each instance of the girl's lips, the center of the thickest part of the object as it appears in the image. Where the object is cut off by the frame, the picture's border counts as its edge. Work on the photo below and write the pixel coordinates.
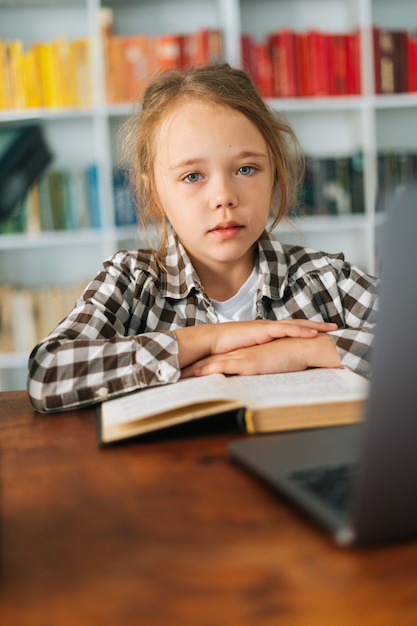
(226, 230)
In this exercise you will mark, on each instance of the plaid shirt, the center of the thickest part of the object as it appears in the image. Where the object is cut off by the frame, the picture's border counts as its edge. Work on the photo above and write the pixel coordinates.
(120, 335)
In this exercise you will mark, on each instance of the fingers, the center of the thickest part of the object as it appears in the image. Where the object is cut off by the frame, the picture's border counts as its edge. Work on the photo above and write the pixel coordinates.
(321, 327)
(230, 336)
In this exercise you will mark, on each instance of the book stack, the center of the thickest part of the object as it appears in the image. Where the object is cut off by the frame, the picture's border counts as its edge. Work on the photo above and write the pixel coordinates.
(289, 64)
(48, 74)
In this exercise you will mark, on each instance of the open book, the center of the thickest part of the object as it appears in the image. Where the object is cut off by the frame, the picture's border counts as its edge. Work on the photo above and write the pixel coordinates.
(270, 402)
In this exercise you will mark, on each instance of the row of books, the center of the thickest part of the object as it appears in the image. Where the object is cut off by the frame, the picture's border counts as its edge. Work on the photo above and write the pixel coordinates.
(28, 314)
(131, 61)
(65, 199)
(395, 57)
(68, 199)
(47, 74)
(288, 64)
(333, 186)
(285, 64)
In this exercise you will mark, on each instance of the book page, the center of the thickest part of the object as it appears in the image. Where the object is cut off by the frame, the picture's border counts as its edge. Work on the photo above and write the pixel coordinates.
(307, 387)
(141, 404)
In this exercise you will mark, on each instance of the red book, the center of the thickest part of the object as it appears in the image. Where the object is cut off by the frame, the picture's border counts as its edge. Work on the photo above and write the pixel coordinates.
(282, 50)
(168, 52)
(202, 48)
(412, 63)
(246, 51)
(302, 63)
(319, 62)
(353, 70)
(262, 70)
(338, 81)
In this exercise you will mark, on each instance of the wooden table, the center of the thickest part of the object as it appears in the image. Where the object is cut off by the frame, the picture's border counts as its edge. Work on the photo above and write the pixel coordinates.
(170, 533)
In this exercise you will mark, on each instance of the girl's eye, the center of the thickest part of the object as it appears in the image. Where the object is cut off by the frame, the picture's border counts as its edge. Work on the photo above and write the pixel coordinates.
(192, 178)
(246, 170)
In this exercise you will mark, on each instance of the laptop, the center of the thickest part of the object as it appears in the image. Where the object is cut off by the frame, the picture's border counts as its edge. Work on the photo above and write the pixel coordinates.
(359, 482)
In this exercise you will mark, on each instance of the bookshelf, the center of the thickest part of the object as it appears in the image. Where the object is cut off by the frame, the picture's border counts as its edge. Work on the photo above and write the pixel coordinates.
(82, 135)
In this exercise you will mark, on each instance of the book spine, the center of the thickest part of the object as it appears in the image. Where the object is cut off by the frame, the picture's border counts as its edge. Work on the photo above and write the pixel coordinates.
(353, 65)
(390, 60)
(412, 63)
(282, 50)
(14, 71)
(167, 52)
(5, 102)
(318, 62)
(263, 70)
(338, 64)
(124, 205)
(303, 65)
(91, 175)
(139, 65)
(81, 71)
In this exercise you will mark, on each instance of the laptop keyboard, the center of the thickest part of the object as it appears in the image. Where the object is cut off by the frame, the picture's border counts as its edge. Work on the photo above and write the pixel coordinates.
(331, 484)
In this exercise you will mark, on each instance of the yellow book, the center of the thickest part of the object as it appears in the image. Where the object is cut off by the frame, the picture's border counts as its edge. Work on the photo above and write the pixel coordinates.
(4, 79)
(32, 79)
(46, 59)
(268, 403)
(15, 72)
(6, 318)
(65, 83)
(81, 71)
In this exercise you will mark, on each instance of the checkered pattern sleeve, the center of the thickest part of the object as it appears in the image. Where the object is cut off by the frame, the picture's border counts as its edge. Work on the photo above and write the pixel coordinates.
(99, 350)
(359, 305)
(326, 287)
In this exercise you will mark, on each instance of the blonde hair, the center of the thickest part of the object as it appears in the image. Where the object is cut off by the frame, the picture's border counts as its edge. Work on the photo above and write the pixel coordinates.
(221, 85)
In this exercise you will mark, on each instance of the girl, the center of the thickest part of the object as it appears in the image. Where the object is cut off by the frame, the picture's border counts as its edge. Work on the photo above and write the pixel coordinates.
(211, 164)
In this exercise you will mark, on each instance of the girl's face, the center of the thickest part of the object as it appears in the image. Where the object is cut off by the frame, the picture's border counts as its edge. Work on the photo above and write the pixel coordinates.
(214, 180)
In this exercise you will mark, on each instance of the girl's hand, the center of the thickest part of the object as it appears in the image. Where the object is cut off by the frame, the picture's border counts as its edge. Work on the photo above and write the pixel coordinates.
(198, 342)
(280, 355)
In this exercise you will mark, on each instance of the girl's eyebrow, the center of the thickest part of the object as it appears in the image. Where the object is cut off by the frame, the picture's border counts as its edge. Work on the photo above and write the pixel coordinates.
(192, 161)
(187, 163)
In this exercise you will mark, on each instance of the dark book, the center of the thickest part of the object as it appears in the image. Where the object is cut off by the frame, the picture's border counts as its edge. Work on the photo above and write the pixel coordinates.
(390, 60)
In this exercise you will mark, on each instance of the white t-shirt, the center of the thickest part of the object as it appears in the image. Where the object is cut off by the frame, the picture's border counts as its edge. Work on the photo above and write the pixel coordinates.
(241, 306)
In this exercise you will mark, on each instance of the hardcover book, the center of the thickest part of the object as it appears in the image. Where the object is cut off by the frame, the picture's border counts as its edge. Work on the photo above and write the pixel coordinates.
(264, 403)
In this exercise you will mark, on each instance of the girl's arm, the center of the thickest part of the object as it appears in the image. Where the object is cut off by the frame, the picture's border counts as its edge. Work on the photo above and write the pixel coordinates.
(341, 294)
(289, 354)
(106, 347)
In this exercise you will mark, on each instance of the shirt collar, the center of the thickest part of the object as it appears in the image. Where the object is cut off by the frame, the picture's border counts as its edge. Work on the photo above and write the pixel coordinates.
(273, 267)
(180, 278)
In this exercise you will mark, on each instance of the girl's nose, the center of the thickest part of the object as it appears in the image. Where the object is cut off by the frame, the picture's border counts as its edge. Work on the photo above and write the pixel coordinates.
(223, 194)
